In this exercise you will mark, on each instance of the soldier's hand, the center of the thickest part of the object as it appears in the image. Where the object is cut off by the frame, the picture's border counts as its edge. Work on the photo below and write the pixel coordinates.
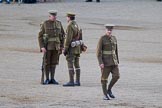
(43, 50)
(101, 66)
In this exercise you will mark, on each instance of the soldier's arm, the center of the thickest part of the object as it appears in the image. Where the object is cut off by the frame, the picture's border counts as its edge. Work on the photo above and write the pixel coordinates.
(40, 36)
(69, 37)
(99, 51)
(62, 37)
(117, 52)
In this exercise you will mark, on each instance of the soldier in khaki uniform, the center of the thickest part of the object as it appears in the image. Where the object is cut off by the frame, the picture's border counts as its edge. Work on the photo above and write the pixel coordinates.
(107, 54)
(72, 52)
(52, 30)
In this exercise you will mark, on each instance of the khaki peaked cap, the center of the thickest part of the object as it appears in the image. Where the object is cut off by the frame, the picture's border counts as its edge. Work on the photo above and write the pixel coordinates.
(70, 14)
(52, 12)
(109, 26)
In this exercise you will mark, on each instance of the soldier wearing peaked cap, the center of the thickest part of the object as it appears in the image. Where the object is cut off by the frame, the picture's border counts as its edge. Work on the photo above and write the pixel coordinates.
(72, 49)
(107, 54)
(51, 40)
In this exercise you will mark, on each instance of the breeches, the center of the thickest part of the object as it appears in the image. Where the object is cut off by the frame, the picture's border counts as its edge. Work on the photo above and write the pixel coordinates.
(114, 70)
(73, 61)
(52, 58)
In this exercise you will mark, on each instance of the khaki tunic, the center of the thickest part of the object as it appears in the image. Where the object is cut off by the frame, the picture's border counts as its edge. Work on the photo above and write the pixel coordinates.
(72, 33)
(107, 51)
(55, 33)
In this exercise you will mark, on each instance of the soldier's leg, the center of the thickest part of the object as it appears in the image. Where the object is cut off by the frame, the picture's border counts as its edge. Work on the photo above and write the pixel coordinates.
(54, 62)
(53, 81)
(104, 77)
(47, 74)
(70, 62)
(115, 77)
(52, 70)
(77, 70)
(77, 82)
(55, 58)
(48, 55)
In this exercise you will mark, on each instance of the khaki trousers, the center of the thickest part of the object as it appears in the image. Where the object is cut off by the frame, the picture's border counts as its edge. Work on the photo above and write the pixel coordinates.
(114, 70)
(52, 59)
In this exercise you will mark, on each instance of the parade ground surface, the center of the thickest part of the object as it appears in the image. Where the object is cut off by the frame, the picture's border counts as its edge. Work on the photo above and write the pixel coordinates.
(139, 33)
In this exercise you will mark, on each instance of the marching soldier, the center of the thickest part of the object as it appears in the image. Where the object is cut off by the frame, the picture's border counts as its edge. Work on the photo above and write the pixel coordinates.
(107, 54)
(72, 51)
(52, 32)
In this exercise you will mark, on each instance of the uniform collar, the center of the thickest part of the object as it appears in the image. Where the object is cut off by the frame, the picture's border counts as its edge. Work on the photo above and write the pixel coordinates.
(109, 37)
(52, 21)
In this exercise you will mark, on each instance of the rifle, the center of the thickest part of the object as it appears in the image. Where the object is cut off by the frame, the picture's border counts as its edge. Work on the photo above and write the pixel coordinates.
(45, 41)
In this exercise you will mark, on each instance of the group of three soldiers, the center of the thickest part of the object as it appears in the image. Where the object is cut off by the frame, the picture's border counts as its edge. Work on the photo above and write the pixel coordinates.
(52, 42)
